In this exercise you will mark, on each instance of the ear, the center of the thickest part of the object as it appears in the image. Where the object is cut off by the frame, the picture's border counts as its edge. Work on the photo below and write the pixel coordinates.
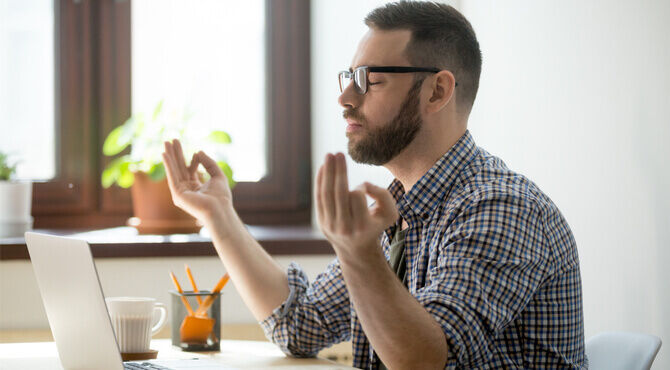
(442, 91)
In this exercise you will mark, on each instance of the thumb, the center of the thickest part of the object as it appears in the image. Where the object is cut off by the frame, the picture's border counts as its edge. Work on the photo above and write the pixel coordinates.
(384, 206)
(210, 165)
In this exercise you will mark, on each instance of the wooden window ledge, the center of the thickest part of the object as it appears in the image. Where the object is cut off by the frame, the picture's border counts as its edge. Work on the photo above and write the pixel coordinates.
(121, 242)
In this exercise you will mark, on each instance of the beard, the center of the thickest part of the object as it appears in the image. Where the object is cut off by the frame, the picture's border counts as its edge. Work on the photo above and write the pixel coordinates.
(382, 144)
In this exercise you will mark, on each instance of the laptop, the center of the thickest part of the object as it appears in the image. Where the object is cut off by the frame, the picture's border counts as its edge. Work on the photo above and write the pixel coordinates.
(76, 309)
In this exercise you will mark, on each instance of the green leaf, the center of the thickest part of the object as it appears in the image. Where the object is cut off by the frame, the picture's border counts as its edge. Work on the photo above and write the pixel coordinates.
(126, 179)
(129, 130)
(219, 137)
(113, 144)
(157, 110)
(114, 170)
(6, 170)
(157, 172)
(109, 176)
(228, 172)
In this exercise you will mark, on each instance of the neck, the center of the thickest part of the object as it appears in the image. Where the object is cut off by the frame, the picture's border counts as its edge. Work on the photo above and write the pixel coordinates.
(426, 149)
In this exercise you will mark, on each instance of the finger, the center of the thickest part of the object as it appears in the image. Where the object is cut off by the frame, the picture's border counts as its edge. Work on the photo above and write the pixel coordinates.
(179, 159)
(341, 190)
(318, 199)
(169, 169)
(328, 197)
(169, 151)
(210, 165)
(385, 204)
(193, 166)
(359, 206)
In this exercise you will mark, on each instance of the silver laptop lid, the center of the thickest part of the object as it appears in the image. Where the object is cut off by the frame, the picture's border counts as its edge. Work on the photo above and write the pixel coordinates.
(74, 302)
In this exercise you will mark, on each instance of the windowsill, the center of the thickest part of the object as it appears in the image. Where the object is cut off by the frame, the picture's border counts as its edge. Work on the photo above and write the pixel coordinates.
(123, 242)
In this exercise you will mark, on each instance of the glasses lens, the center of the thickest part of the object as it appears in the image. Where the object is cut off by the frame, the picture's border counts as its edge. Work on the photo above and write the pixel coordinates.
(344, 79)
(361, 80)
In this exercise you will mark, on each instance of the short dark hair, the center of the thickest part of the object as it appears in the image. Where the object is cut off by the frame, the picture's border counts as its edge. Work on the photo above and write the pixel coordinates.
(441, 37)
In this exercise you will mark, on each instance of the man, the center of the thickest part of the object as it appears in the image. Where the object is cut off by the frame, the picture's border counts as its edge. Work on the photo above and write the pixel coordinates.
(461, 263)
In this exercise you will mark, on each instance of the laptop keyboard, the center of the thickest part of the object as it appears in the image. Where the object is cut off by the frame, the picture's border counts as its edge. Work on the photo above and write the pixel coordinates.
(143, 366)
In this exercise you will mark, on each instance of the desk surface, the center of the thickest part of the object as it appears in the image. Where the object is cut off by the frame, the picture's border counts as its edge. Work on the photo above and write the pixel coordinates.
(236, 353)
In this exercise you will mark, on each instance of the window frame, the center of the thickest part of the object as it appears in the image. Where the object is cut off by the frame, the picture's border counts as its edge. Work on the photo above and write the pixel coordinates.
(93, 95)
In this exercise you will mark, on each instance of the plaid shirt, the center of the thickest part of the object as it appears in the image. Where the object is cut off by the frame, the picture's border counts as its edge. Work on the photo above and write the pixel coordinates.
(488, 255)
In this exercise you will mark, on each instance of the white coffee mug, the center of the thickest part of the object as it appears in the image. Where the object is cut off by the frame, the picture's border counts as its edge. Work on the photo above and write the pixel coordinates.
(132, 319)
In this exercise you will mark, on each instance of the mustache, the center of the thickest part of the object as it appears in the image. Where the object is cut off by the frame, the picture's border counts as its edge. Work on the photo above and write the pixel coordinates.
(353, 113)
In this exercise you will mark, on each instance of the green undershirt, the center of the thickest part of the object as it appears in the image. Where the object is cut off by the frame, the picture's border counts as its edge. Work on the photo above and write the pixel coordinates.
(397, 263)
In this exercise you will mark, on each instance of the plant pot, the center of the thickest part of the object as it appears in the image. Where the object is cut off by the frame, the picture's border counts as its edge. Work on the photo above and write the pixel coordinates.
(154, 211)
(15, 202)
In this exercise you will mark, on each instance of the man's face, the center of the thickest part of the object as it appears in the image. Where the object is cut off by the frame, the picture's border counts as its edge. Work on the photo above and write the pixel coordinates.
(384, 121)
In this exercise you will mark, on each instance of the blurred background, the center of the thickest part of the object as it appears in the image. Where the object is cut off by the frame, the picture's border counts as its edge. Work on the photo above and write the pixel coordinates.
(573, 94)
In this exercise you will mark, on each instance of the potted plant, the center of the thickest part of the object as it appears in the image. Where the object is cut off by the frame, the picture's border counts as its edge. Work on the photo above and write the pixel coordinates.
(15, 201)
(142, 169)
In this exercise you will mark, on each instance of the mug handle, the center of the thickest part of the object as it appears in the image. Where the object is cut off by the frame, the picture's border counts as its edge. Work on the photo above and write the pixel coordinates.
(163, 319)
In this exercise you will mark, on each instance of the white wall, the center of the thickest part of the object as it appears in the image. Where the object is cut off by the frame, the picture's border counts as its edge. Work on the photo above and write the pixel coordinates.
(575, 95)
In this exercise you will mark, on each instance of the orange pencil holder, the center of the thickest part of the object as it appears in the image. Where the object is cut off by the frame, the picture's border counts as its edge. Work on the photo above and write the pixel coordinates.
(182, 327)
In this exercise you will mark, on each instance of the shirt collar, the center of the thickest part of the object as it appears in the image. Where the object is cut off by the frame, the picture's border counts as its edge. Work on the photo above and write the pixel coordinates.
(425, 195)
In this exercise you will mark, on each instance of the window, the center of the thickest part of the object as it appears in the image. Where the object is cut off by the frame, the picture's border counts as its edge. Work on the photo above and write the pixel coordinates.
(206, 58)
(27, 87)
(94, 87)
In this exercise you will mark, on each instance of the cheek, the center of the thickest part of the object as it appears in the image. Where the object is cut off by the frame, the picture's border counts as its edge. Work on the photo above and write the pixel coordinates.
(379, 110)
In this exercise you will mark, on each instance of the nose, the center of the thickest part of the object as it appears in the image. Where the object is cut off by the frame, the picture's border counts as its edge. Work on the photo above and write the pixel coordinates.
(349, 98)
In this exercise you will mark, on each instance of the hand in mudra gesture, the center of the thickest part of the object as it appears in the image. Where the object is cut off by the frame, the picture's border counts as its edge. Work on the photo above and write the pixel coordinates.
(348, 223)
(200, 199)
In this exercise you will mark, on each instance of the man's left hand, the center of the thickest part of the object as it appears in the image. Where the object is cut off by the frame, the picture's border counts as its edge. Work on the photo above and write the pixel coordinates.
(344, 216)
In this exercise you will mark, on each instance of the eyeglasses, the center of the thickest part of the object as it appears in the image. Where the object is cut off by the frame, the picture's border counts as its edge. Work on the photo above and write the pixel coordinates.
(360, 75)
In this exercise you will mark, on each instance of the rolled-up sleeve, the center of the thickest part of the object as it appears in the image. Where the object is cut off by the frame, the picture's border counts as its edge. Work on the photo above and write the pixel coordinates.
(491, 260)
(314, 316)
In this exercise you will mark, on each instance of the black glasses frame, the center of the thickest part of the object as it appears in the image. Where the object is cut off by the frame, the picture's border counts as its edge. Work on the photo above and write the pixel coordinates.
(360, 75)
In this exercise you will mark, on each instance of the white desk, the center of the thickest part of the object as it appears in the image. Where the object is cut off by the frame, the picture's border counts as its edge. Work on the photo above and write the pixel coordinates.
(236, 353)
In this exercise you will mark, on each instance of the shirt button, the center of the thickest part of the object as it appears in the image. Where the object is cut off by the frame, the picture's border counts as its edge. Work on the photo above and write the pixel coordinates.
(424, 216)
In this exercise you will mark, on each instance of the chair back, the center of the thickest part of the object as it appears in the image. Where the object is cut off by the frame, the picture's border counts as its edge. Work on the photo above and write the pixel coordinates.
(622, 350)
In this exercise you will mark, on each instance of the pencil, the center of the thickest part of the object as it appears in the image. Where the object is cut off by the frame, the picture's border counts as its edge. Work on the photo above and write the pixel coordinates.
(183, 299)
(195, 288)
(202, 309)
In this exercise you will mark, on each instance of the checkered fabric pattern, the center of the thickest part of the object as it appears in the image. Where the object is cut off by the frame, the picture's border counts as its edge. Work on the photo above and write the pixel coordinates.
(488, 255)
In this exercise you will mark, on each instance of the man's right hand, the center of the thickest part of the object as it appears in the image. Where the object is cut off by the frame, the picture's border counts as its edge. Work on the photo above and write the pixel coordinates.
(261, 282)
(205, 201)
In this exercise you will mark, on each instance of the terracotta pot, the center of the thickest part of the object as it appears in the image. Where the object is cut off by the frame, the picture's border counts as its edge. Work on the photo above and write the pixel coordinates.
(154, 211)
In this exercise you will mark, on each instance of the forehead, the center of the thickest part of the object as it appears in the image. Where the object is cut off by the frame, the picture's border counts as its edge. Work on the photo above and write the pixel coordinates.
(382, 48)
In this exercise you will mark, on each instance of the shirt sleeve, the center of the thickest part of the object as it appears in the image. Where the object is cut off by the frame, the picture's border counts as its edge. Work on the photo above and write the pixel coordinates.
(492, 258)
(313, 316)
